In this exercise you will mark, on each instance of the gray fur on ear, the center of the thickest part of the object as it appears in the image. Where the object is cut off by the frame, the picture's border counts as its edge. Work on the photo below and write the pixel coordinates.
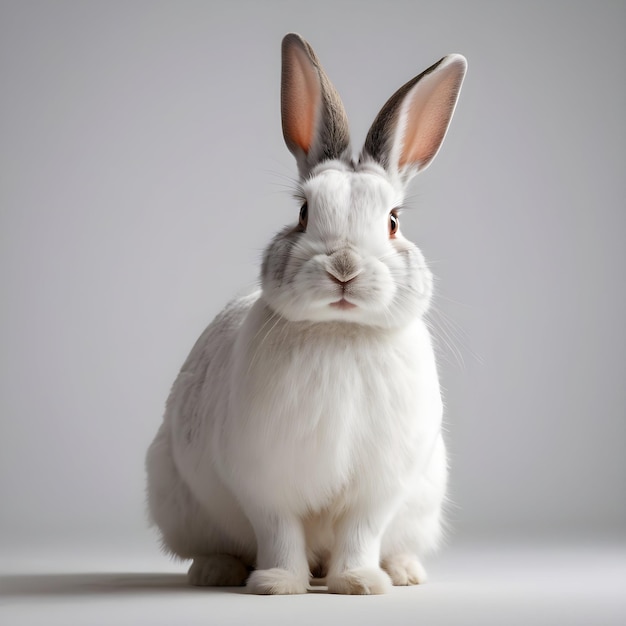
(315, 126)
(410, 128)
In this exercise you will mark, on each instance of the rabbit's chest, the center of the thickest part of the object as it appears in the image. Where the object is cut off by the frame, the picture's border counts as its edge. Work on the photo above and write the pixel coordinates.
(311, 411)
(335, 378)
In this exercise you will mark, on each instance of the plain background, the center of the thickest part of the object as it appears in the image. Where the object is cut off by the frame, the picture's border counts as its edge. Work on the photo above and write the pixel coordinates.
(142, 172)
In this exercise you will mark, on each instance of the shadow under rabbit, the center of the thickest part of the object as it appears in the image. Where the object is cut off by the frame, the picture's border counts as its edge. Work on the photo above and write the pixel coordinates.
(69, 584)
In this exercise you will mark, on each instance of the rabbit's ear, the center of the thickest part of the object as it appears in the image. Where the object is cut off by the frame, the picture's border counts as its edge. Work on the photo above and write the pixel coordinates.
(409, 130)
(315, 125)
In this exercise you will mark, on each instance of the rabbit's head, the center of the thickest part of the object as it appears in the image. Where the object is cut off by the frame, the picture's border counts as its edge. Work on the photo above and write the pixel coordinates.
(346, 258)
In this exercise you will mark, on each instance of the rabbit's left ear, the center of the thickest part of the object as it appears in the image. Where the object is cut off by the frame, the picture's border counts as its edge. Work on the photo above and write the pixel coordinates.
(409, 130)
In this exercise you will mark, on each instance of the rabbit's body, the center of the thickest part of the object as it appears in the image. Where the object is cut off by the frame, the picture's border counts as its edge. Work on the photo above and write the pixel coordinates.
(317, 456)
(303, 433)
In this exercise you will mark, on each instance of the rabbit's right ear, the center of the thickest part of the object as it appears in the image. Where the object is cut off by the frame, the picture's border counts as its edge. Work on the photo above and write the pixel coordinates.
(409, 130)
(315, 126)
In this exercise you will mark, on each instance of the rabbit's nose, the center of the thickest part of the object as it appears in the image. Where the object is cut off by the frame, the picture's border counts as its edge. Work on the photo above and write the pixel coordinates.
(344, 266)
(343, 283)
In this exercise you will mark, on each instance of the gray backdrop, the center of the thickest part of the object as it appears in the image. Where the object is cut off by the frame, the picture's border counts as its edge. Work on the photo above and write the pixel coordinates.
(143, 170)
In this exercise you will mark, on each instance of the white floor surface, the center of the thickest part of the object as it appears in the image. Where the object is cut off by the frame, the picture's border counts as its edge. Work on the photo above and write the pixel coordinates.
(481, 584)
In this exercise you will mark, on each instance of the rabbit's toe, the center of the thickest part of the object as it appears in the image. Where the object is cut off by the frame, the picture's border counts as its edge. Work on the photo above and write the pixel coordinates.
(404, 569)
(361, 581)
(275, 581)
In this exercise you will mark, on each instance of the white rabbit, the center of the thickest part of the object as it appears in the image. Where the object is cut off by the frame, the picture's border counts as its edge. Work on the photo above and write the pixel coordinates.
(303, 433)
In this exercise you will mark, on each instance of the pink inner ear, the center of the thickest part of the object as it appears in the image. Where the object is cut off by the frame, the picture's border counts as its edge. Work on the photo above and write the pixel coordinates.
(301, 98)
(428, 115)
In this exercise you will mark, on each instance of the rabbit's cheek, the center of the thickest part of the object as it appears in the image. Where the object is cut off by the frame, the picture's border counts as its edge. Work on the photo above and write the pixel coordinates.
(377, 288)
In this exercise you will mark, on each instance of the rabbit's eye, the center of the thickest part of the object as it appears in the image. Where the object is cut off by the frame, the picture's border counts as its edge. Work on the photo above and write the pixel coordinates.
(394, 223)
(304, 214)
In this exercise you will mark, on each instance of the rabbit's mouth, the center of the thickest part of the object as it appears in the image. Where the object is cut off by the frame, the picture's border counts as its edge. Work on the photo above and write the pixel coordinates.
(343, 304)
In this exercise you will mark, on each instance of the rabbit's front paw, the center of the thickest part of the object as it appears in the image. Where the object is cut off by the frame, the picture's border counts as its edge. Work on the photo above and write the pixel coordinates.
(404, 569)
(361, 581)
(275, 581)
(217, 570)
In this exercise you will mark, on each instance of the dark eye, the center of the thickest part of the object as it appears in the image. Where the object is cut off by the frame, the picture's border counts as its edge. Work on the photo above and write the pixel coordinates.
(394, 223)
(304, 214)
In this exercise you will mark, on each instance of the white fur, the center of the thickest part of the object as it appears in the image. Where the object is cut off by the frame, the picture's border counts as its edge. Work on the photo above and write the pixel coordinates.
(301, 436)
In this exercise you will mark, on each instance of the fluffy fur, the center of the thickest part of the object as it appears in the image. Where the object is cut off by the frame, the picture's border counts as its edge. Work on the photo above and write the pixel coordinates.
(303, 433)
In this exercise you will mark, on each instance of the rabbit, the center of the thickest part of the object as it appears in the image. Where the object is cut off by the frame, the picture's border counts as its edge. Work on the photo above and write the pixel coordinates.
(302, 437)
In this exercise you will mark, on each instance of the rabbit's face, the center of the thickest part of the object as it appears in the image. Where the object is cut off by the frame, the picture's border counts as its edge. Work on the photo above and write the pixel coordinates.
(347, 259)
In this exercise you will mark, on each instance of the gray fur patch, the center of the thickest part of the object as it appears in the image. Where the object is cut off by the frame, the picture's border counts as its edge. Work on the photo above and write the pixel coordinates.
(277, 254)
